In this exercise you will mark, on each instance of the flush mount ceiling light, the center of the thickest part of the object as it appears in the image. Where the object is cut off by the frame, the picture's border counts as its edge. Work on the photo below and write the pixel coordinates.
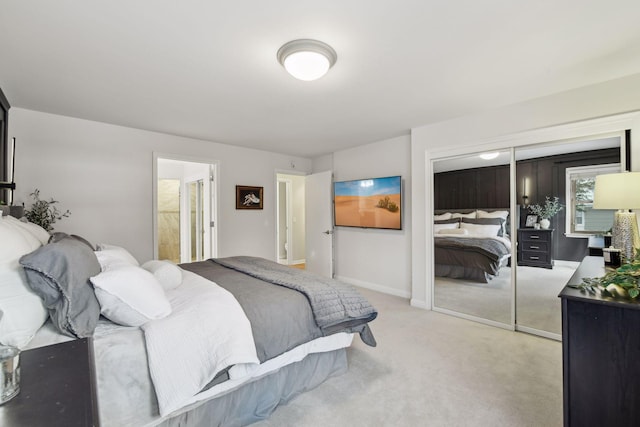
(307, 59)
(489, 156)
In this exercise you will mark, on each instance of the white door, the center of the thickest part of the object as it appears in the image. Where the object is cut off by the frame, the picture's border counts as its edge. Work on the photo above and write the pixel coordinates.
(319, 223)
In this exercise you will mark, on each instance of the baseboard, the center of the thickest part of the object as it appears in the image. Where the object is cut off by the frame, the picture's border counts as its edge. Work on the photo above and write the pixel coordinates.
(299, 261)
(419, 304)
(375, 287)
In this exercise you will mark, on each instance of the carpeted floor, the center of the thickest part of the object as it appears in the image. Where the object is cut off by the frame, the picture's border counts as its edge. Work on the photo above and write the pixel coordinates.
(537, 302)
(430, 369)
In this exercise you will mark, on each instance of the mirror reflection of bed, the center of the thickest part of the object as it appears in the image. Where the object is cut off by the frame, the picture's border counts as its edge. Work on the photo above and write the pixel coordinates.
(472, 254)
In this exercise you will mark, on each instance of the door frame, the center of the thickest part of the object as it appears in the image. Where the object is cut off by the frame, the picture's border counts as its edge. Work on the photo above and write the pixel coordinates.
(277, 179)
(213, 195)
(289, 222)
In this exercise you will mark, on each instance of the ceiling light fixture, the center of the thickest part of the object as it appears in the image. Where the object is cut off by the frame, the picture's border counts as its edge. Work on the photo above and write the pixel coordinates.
(307, 59)
(489, 156)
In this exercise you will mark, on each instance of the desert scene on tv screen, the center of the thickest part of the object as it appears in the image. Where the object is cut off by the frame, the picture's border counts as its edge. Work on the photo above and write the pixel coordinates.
(370, 203)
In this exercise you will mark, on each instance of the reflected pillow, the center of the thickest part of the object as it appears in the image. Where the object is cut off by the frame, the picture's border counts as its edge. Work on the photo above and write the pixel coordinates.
(438, 227)
(481, 230)
(488, 221)
(463, 215)
(493, 214)
(441, 217)
(462, 231)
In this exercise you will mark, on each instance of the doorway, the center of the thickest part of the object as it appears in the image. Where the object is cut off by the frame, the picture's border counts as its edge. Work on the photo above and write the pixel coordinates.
(185, 210)
(290, 219)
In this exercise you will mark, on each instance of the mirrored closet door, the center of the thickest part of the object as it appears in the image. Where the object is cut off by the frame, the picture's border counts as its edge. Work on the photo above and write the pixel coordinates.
(471, 244)
(548, 256)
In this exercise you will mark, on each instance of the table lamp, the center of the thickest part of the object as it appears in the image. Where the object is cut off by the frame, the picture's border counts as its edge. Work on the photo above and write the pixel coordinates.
(620, 191)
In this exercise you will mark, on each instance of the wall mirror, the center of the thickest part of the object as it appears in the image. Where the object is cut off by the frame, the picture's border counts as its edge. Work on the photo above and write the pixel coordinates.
(472, 194)
(472, 245)
(547, 258)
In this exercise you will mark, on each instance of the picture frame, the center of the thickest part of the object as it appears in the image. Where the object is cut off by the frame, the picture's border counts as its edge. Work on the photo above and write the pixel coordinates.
(531, 221)
(249, 197)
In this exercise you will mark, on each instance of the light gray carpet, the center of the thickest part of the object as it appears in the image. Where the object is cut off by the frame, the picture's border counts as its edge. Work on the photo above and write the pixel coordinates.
(537, 302)
(430, 369)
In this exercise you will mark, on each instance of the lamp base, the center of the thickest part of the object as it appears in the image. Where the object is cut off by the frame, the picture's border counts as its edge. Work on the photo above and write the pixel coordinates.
(625, 234)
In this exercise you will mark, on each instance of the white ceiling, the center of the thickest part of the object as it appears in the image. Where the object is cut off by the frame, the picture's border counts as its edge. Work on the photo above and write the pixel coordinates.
(208, 69)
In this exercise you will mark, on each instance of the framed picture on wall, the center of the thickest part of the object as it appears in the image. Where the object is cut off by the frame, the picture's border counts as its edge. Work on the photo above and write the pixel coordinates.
(248, 197)
(531, 221)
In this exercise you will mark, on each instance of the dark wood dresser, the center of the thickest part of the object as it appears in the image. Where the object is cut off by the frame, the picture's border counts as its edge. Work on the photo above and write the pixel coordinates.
(57, 387)
(600, 355)
(535, 247)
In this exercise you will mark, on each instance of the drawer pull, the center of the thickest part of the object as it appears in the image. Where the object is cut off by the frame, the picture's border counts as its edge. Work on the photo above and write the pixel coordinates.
(534, 247)
(534, 236)
(534, 257)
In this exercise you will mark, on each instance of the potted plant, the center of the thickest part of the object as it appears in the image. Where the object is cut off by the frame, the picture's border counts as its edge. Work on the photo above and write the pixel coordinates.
(44, 212)
(546, 211)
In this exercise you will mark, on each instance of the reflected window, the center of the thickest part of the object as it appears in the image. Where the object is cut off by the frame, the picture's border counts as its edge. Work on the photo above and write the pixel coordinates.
(581, 217)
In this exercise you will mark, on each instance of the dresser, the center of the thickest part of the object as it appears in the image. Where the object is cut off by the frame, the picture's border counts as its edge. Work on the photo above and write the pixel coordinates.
(535, 247)
(57, 387)
(600, 355)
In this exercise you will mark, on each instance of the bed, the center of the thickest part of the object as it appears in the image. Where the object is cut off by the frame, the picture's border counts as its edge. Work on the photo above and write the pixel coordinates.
(217, 342)
(471, 244)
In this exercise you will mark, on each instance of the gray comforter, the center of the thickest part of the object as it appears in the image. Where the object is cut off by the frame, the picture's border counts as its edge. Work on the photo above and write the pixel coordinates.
(491, 248)
(336, 306)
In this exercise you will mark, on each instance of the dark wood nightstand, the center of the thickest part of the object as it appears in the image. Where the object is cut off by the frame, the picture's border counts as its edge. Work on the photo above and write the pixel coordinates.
(57, 387)
(535, 247)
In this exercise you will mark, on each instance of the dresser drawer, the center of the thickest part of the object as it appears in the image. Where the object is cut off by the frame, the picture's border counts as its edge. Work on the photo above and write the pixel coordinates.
(536, 236)
(541, 246)
(536, 257)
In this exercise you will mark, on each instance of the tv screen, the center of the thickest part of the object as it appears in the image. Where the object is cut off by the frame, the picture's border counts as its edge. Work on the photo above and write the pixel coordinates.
(369, 203)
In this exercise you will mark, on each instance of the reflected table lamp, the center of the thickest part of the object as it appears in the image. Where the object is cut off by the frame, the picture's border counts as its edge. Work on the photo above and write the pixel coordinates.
(620, 191)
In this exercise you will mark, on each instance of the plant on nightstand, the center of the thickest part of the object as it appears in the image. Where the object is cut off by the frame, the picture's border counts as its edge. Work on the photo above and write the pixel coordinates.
(547, 211)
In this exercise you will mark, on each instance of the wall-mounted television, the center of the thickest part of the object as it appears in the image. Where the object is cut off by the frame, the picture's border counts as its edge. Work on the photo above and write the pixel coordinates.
(368, 203)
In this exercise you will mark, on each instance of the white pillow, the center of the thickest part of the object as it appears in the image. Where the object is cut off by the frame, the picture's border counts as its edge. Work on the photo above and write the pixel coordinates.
(454, 231)
(22, 312)
(130, 296)
(481, 229)
(463, 215)
(15, 241)
(442, 217)
(168, 274)
(110, 257)
(494, 214)
(438, 227)
(33, 229)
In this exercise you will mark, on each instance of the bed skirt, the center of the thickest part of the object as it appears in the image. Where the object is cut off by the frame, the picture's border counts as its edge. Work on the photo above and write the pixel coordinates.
(256, 400)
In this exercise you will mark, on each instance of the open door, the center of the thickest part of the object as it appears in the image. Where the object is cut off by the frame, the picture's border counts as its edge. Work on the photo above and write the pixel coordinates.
(319, 223)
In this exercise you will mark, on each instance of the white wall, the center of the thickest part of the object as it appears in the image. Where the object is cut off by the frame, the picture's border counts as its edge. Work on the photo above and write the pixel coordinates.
(514, 125)
(103, 174)
(376, 259)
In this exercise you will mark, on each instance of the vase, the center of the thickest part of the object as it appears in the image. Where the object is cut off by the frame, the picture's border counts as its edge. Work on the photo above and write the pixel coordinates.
(545, 223)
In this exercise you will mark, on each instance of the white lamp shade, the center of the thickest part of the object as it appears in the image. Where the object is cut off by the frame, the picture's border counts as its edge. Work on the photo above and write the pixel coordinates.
(617, 191)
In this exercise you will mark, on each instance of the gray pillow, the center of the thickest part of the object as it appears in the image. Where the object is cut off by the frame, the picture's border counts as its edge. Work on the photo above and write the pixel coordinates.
(487, 221)
(446, 221)
(59, 273)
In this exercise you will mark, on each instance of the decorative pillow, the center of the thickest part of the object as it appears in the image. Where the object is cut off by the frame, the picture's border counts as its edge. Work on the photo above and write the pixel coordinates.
(438, 227)
(59, 273)
(481, 230)
(130, 296)
(494, 214)
(16, 240)
(488, 221)
(454, 231)
(110, 256)
(447, 221)
(168, 274)
(463, 215)
(442, 217)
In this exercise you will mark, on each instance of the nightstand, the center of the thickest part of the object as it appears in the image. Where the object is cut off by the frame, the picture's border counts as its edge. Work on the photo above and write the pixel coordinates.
(57, 387)
(535, 247)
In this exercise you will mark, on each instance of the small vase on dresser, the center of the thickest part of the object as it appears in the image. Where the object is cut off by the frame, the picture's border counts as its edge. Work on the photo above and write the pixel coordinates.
(545, 223)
